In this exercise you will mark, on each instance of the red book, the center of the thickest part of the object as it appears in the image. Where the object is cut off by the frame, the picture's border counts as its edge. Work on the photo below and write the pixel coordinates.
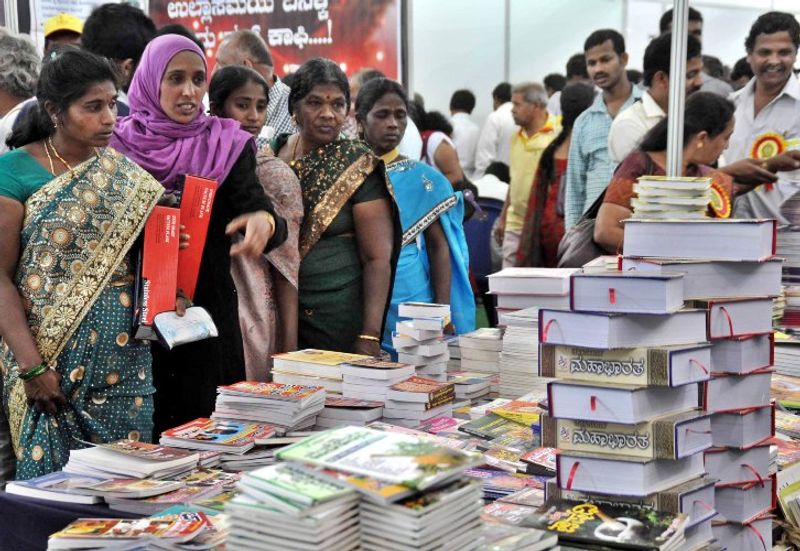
(197, 200)
(158, 269)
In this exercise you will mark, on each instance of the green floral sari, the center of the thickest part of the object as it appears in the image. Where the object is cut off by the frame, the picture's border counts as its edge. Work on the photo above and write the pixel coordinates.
(76, 282)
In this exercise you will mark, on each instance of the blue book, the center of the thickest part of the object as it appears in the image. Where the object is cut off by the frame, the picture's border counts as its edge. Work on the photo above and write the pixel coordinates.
(57, 486)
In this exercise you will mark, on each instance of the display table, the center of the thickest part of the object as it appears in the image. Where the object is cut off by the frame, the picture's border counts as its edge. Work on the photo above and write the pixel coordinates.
(25, 523)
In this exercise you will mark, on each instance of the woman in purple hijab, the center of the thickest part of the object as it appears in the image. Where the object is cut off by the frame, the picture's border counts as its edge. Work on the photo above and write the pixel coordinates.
(168, 134)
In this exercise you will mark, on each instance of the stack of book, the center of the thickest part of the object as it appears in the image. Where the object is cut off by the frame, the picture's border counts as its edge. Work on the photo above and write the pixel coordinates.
(454, 363)
(130, 459)
(520, 356)
(481, 349)
(312, 367)
(341, 411)
(370, 379)
(284, 406)
(415, 495)
(469, 386)
(411, 402)
(285, 506)
(787, 357)
(670, 197)
(734, 287)
(520, 288)
(624, 412)
(419, 338)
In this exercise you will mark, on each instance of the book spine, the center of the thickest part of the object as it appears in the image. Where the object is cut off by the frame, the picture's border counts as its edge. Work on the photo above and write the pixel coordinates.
(642, 366)
(159, 266)
(197, 200)
(634, 441)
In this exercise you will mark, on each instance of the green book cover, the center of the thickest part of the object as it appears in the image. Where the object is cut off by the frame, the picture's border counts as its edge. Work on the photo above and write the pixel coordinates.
(299, 485)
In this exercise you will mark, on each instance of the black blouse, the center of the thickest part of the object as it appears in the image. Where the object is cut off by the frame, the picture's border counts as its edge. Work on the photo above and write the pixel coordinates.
(186, 378)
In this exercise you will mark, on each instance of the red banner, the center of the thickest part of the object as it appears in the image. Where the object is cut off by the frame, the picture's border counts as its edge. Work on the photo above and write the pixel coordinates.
(354, 33)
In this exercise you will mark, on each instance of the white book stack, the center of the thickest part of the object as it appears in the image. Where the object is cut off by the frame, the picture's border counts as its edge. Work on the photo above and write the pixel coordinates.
(520, 288)
(454, 363)
(520, 356)
(370, 379)
(481, 349)
(668, 197)
(730, 273)
(286, 407)
(311, 367)
(419, 338)
(625, 410)
(788, 248)
(787, 358)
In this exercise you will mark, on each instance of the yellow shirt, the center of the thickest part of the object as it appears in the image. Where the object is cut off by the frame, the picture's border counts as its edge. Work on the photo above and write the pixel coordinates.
(525, 154)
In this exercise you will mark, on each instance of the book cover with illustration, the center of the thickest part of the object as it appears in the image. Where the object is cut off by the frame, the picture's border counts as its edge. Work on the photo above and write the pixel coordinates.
(98, 532)
(273, 391)
(786, 390)
(616, 525)
(493, 426)
(519, 411)
(389, 457)
(354, 403)
(435, 390)
(292, 482)
(221, 434)
(144, 450)
(377, 363)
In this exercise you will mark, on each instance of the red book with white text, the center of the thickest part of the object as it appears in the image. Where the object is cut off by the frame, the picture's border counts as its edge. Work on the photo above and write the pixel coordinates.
(158, 269)
(197, 200)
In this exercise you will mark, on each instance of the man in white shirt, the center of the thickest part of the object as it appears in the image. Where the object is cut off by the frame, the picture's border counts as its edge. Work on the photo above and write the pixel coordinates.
(576, 72)
(465, 130)
(494, 143)
(19, 69)
(768, 115)
(631, 125)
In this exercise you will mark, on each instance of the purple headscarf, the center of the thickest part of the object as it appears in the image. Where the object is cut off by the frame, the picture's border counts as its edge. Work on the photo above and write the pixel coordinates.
(206, 147)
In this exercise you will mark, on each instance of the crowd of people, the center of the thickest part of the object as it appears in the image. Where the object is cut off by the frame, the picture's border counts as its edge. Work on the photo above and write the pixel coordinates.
(337, 199)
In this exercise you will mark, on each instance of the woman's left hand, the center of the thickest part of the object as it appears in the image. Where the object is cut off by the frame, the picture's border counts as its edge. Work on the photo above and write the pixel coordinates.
(258, 228)
(367, 348)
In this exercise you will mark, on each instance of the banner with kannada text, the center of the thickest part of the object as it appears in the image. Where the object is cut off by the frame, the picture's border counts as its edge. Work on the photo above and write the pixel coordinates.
(354, 33)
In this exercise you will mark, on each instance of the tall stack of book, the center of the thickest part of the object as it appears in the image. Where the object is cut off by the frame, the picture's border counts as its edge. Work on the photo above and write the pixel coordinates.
(411, 402)
(624, 412)
(283, 406)
(480, 350)
(520, 356)
(668, 197)
(419, 338)
(731, 275)
(312, 367)
(520, 288)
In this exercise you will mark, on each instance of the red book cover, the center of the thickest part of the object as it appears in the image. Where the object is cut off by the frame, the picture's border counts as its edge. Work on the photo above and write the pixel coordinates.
(158, 269)
(197, 200)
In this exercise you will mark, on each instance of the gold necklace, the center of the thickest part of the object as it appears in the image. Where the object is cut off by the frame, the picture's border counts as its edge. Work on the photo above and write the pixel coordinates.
(294, 161)
(59, 157)
(49, 158)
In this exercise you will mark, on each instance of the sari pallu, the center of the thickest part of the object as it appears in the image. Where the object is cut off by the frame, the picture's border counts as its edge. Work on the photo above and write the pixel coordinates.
(424, 196)
(333, 179)
(76, 282)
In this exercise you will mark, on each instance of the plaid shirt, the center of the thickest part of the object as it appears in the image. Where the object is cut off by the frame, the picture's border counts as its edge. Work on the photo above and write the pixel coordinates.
(278, 109)
(589, 168)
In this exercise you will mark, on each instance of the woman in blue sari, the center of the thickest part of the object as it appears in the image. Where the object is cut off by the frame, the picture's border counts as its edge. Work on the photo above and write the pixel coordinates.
(70, 211)
(434, 262)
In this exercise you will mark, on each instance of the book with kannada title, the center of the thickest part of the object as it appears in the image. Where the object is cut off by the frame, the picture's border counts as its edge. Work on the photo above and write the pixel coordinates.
(274, 391)
(667, 437)
(665, 366)
(622, 525)
(214, 434)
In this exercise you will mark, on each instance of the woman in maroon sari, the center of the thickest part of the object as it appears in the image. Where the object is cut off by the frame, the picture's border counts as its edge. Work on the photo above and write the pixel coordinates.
(544, 221)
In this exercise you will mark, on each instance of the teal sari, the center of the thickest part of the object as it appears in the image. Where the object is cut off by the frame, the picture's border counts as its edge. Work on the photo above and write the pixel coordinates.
(76, 281)
(424, 196)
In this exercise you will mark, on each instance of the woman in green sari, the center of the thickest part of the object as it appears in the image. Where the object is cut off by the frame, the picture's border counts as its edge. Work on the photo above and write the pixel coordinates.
(350, 236)
(70, 210)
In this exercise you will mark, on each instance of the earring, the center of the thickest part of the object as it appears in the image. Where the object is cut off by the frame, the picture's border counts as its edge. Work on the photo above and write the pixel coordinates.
(294, 119)
(55, 123)
(700, 145)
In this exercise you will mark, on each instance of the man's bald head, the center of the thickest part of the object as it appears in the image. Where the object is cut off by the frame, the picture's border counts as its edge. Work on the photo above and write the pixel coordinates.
(246, 48)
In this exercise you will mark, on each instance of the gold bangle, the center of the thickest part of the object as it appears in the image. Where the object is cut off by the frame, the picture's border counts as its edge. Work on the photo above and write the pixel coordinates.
(369, 338)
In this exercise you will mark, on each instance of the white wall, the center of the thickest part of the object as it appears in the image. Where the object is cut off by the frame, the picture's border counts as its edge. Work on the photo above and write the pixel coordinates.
(462, 43)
